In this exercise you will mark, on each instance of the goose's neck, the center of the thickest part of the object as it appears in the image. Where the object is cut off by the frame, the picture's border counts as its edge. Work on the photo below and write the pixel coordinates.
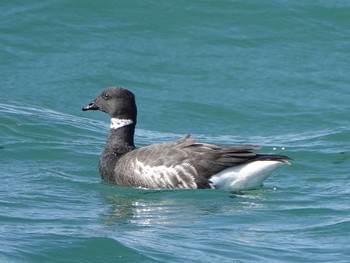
(120, 141)
(121, 134)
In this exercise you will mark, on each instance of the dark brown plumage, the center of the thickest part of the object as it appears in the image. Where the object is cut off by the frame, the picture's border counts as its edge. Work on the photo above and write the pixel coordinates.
(185, 163)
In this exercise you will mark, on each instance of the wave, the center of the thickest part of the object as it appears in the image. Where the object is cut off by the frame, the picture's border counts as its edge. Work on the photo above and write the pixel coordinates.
(27, 114)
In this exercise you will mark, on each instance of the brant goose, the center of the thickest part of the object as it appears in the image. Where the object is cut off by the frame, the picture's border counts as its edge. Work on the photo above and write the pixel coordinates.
(182, 164)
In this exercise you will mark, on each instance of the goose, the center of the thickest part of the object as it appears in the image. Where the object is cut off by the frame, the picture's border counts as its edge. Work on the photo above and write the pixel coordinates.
(182, 164)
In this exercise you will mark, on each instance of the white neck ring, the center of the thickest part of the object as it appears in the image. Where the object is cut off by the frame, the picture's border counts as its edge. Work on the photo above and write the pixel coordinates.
(118, 123)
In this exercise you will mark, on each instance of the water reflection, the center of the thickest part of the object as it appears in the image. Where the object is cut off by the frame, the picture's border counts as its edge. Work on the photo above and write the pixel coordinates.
(184, 207)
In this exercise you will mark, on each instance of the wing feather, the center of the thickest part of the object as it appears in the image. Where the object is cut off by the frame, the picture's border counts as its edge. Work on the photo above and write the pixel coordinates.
(182, 164)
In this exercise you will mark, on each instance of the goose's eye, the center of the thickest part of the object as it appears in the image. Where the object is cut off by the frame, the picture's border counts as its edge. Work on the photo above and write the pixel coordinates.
(106, 96)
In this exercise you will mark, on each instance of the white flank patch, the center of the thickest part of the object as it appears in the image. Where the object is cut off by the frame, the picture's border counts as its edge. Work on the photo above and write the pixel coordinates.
(245, 176)
(163, 177)
(118, 123)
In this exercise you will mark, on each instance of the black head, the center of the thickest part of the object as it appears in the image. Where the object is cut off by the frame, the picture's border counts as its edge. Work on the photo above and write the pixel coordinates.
(117, 102)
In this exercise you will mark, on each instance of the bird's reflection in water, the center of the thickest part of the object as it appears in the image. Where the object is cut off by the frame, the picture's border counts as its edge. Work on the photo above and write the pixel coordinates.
(130, 206)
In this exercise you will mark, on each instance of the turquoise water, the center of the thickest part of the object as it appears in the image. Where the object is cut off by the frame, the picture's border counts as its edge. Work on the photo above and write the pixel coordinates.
(273, 73)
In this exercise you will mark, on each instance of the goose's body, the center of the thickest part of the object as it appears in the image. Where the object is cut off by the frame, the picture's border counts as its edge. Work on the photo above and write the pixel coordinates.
(182, 164)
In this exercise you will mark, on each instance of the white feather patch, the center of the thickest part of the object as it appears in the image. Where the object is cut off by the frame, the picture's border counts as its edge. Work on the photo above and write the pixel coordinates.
(245, 176)
(163, 177)
(118, 123)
